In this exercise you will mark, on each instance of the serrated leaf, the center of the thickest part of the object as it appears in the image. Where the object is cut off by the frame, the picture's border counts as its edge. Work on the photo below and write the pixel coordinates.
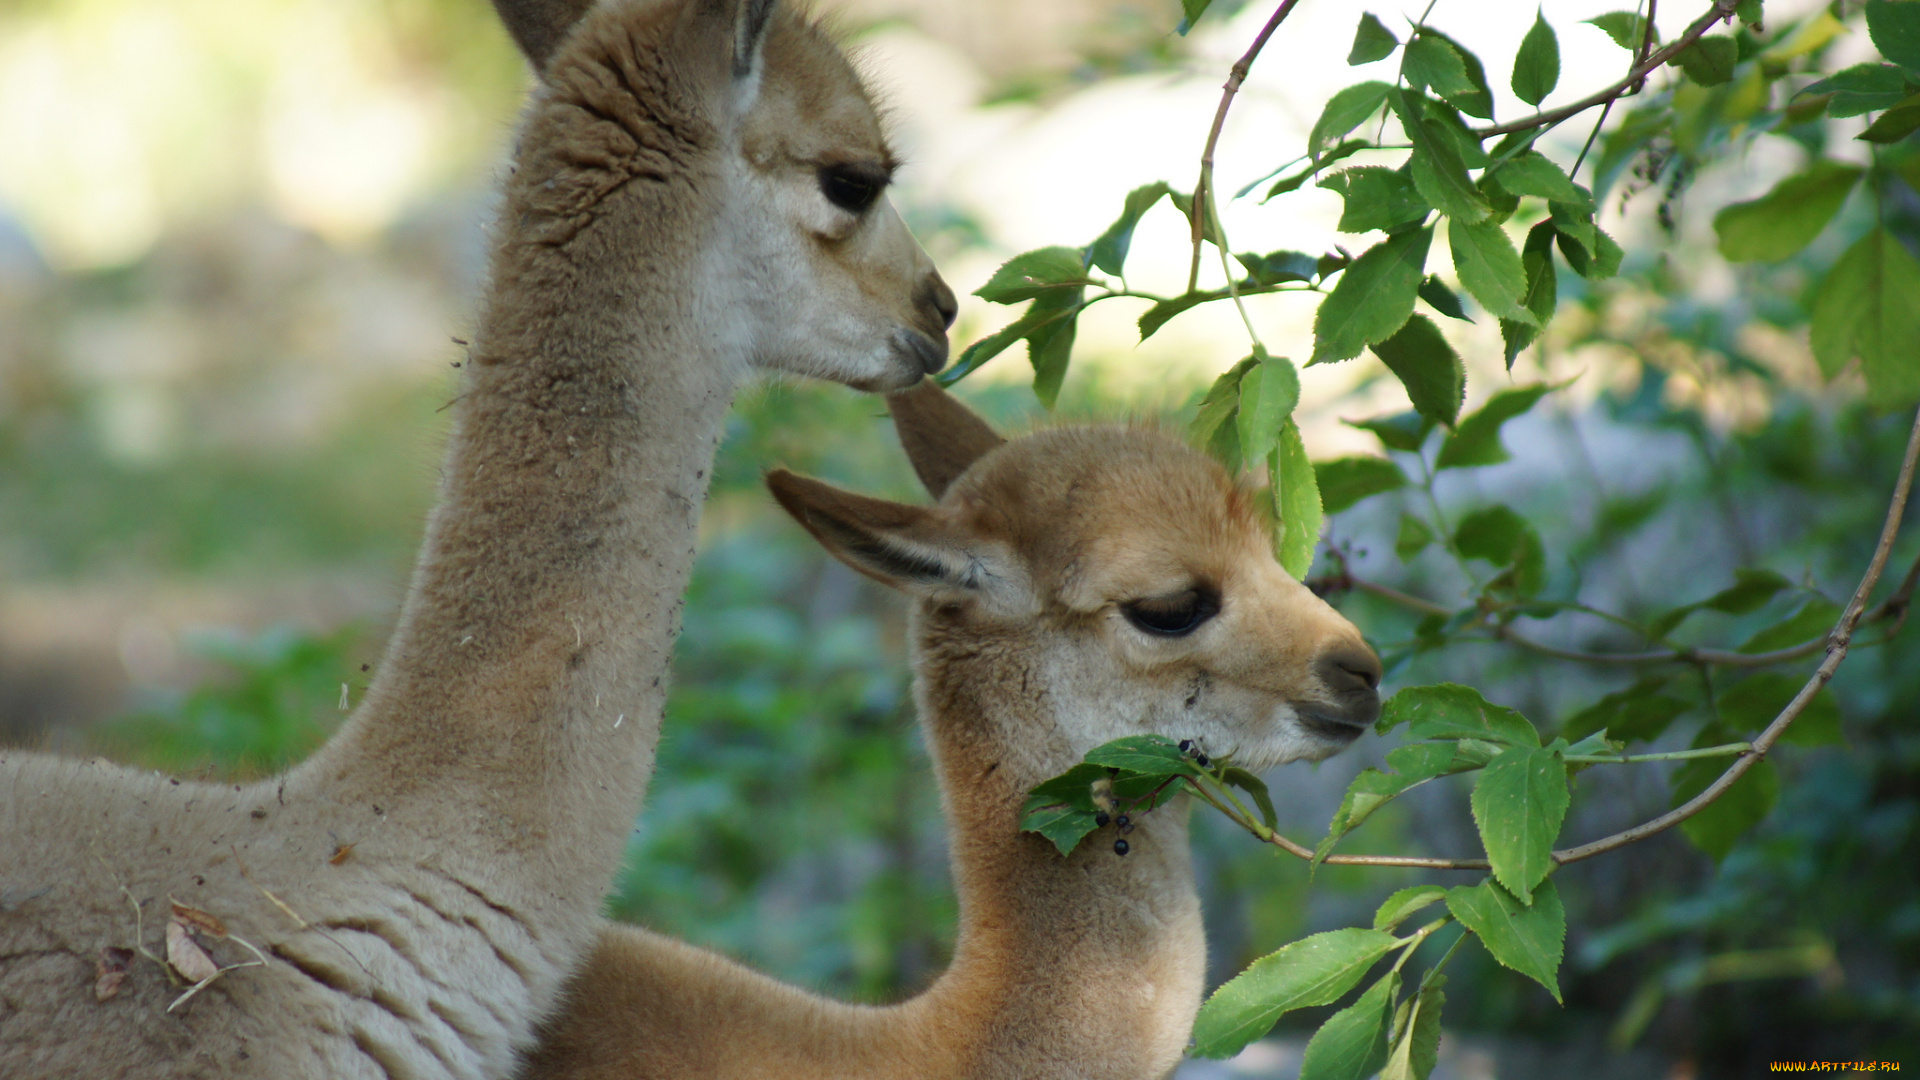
(1371, 41)
(1870, 307)
(1751, 588)
(1345, 481)
(1158, 315)
(1152, 755)
(1296, 502)
(1276, 267)
(1292, 182)
(1519, 801)
(1451, 711)
(1044, 312)
(1269, 390)
(1255, 787)
(1373, 297)
(1109, 253)
(1527, 939)
(1862, 88)
(1050, 346)
(1709, 61)
(1536, 68)
(1718, 827)
(1398, 431)
(1032, 273)
(1813, 620)
(1432, 63)
(1749, 705)
(1477, 99)
(1345, 111)
(1543, 291)
(1498, 535)
(1476, 441)
(1414, 536)
(1533, 173)
(1439, 170)
(1418, 1049)
(1442, 299)
(1072, 788)
(1396, 908)
(1489, 268)
(1065, 826)
(1433, 374)
(1895, 30)
(1596, 264)
(1375, 198)
(1367, 792)
(1638, 713)
(1352, 1043)
(1215, 428)
(1627, 29)
(1898, 122)
(1315, 970)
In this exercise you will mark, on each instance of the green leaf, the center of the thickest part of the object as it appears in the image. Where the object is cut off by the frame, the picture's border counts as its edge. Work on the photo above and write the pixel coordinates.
(1720, 825)
(1063, 825)
(1433, 374)
(1296, 502)
(1519, 801)
(1862, 88)
(1870, 307)
(1345, 111)
(1153, 755)
(1451, 711)
(1159, 314)
(1028, 275)
(1415, 535)
(1418, 1051)
(1490, 268)
(1352, 1043)
(1423, 760)
(1638, 713)
(1376, 198)
(1073, 788)
(1276, 267)
(1373, 297)
(1536, 68)
(1255, 787)
(1042, 314)
(1533, 173)
(1505, 539)
(1749, 705)
(1345, 481)
(1442, 299)
(1896, 123)
(1402, 904)
(1895, 30)
(1215, 427)
(1191, 10)
(1109, 253)
(1433, 63)
(1315, 970)
(1751, 589)
(1371, 41)
(1293, 181)
(1543, 291)
(1400, 431)
(1603, 261)
(1813, 620)
(1528, 939)
(1439, 170)
(1709, 61)
(1627, 29)
(1268, 392)
(1367, 792)
(1050, 347)
(1476, 441)
(1476, 100)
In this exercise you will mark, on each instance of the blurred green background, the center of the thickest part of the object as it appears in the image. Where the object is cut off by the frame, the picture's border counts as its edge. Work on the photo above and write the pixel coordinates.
(224, 351)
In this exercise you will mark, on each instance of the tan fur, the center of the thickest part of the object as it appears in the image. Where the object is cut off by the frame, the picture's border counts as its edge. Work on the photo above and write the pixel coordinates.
(422, 885)
(1086, 966)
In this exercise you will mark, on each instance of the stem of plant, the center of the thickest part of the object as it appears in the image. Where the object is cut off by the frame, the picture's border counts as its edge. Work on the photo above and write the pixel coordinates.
(1419, 937)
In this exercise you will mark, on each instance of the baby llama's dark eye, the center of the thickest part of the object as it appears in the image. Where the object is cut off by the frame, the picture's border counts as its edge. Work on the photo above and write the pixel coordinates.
(851, 187)
(1174, 615)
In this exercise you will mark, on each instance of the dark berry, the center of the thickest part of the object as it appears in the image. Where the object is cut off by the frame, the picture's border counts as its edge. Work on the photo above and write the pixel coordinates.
(1186, 746)
(1119, 847)
(1100, 819)
(1127, 828)
(1201, 761)
(1125, 821)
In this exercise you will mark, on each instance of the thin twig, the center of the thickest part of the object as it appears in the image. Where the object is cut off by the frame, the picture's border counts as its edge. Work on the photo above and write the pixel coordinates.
(1721, 10)
(1838, 643)
(1235, 76)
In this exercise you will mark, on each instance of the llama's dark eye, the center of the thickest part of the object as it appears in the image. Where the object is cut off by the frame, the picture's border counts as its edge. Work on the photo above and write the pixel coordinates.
(1173, 615)
(852, 188)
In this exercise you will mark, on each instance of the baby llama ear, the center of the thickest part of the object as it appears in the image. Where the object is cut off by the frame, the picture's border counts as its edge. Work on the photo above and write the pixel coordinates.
(942, 437)
(911, 548)
(539, 26)
(749, 36)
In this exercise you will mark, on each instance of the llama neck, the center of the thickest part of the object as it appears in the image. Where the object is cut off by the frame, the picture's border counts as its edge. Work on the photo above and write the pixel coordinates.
(1090, 964)
(520, 698)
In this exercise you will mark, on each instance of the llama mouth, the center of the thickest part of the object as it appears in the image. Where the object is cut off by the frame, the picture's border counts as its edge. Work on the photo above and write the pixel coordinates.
(926, 352)
(1332, 724)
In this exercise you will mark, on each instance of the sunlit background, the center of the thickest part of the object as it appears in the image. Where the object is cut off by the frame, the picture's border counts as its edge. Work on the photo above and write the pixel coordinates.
(239, 244)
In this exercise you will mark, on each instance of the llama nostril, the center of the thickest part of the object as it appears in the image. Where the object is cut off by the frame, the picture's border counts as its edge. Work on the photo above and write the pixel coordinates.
(941, 300)
(1350, 670)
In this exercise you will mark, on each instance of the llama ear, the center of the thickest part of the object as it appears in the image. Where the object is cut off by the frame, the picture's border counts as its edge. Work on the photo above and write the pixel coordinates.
(539, 26)
(749, 36)
(942, 437)
(915, 549)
